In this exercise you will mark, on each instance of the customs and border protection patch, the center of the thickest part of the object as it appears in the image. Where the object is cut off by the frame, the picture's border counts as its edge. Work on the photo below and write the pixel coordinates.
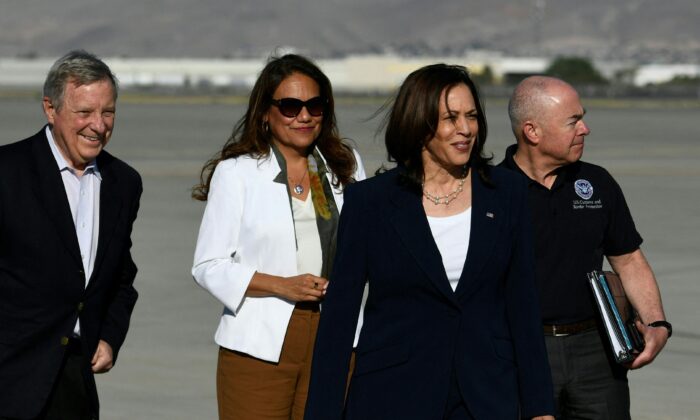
(583, 189)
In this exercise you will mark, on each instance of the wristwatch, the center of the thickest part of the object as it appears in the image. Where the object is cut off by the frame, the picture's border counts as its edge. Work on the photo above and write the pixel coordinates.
(664, 324)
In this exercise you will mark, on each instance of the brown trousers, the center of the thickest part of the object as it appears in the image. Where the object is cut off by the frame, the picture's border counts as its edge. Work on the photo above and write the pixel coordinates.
(252, 389)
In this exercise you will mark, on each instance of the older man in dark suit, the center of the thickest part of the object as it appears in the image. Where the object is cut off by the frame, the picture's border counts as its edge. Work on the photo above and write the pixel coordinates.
(67, 209)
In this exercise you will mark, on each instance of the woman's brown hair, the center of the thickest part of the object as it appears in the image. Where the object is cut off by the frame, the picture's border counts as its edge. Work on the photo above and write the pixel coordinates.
(249, 137)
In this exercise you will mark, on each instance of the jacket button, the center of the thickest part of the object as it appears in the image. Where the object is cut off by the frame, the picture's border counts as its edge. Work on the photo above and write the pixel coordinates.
(81, 305)
(64, 341)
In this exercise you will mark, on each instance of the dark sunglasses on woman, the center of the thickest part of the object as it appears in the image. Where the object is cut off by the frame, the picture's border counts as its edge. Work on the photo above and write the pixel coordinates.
(291, 107)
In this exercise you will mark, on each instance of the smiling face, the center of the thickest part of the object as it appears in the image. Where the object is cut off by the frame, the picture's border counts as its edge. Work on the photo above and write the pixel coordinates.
(83, 124)
(294, 134)
(562, 129)
(457, 129)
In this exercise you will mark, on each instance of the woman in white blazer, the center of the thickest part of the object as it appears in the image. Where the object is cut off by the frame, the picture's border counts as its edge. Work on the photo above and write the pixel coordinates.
(267, 237)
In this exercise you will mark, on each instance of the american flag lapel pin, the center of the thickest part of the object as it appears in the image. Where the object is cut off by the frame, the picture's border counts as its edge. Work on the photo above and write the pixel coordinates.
(489, 215)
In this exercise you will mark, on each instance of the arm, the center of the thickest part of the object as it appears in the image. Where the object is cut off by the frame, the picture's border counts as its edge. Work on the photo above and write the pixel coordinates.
(304, 287)
(339, 314)
(522, 303)
(643, 292)
(116, 323)
(216, 267)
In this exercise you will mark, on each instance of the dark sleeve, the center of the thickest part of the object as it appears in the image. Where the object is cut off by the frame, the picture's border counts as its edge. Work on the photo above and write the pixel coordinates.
(116, 323)
(534, 378)
(621, 236)
(339, 313)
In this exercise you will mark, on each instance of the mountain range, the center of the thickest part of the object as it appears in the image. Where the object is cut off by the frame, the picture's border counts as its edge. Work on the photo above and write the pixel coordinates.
(639, 30)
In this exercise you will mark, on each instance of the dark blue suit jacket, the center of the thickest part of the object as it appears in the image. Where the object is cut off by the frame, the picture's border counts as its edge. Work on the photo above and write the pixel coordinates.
(417, 330)
(42, 282)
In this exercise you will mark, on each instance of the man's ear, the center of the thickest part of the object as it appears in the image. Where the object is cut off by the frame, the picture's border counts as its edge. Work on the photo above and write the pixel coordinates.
(531, 132)
(49, 109)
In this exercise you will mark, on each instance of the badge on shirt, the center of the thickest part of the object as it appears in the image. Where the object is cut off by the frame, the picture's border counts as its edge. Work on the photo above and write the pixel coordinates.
(583, 189)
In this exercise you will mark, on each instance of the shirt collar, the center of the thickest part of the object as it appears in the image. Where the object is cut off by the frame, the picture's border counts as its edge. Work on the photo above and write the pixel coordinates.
(563, 172)
(63, 165)
(509, 162)
(317, 163)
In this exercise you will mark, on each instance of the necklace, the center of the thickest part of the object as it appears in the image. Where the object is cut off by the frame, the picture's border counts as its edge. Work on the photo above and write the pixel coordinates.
(447, 198)
(298, 188)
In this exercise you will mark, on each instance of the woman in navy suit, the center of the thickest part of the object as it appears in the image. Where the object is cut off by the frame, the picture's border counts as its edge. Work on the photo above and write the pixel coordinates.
(451, 324)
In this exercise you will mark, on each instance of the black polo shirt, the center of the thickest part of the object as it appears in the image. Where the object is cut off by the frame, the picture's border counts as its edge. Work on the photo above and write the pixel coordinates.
(581, 219)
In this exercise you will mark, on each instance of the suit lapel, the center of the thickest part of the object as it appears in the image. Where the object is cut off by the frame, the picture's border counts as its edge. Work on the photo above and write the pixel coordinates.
(486, 218)
(51, 192)
(110, 207)
(411, 225)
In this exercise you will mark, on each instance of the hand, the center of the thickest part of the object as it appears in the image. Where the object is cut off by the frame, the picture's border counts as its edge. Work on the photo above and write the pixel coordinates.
(102, 360)
(543, 418)
(655, 340)
(303, 288)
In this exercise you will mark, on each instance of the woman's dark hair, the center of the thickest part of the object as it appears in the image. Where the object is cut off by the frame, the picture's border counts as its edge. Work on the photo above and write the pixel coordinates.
(249, 137)
(414, 116)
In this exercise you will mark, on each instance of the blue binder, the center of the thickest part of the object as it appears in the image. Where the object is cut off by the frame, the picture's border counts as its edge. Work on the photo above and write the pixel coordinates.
(617, 314)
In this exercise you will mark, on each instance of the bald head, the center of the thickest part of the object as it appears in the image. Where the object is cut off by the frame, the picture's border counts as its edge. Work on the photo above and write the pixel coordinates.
(547, 119)
(534, 98)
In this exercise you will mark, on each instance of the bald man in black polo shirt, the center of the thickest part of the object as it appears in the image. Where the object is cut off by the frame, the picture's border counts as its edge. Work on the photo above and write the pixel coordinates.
(579, 216)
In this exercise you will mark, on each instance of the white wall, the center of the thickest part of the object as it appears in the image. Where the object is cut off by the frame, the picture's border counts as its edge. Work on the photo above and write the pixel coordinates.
(362, 73)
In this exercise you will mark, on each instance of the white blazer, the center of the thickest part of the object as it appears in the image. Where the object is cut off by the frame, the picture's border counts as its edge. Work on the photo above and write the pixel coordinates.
(247, 227)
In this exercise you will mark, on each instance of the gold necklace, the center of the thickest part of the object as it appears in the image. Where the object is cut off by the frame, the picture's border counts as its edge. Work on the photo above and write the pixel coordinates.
(447, 198)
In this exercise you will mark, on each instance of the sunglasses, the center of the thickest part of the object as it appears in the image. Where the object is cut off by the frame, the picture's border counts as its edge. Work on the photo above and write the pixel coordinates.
(291, 107)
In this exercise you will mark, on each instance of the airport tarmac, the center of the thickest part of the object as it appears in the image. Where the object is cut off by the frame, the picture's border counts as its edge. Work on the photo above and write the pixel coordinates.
(166, 369)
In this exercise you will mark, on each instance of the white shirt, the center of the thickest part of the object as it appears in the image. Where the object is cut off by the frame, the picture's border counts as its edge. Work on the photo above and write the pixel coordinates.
(309, 253)
(84, 199)
(451, 235)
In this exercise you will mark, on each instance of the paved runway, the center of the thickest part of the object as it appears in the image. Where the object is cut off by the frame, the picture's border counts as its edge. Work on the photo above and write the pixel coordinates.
(166, 369)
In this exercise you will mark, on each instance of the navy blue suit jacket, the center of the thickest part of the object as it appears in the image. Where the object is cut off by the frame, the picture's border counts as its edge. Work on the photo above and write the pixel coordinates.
(416, 329)
(42, 282)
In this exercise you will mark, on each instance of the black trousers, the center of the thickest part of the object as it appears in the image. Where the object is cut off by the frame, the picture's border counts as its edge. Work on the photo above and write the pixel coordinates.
(588, 384)
(69, 398)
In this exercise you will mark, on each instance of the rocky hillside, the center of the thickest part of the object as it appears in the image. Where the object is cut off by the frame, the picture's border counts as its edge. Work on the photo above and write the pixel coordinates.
(642, 30)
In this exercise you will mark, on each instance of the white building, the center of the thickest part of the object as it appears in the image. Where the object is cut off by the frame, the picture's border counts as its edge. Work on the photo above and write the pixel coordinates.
(354, 74)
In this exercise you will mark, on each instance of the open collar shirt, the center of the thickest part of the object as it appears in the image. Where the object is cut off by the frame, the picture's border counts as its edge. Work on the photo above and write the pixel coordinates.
(83, 194)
